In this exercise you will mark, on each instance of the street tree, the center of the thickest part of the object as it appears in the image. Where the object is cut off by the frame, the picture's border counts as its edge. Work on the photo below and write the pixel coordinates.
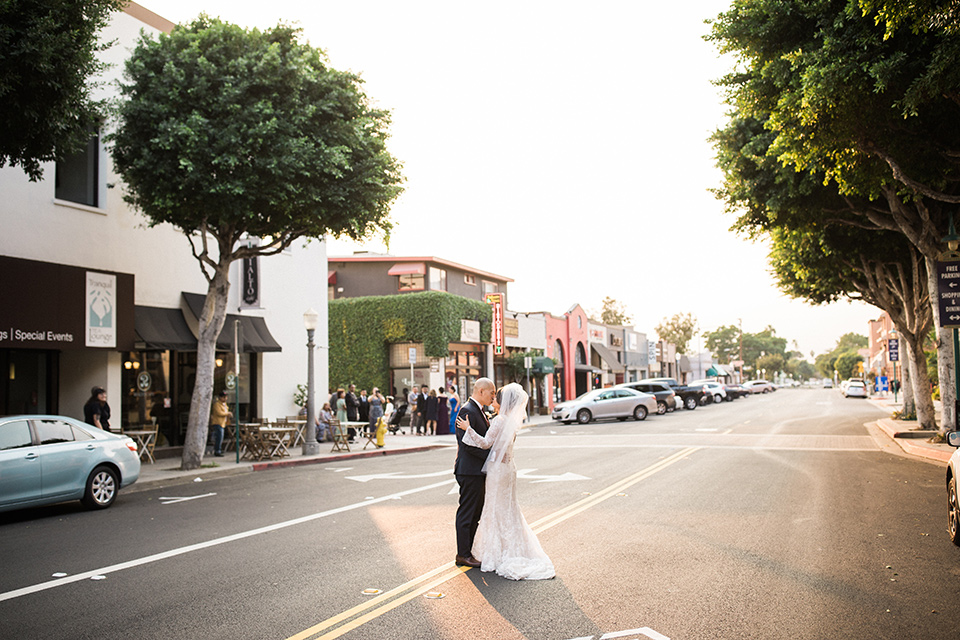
(227, 133)
(867, 94)
(614, 312)
(677, 330)
(724, 343)
(48, 69)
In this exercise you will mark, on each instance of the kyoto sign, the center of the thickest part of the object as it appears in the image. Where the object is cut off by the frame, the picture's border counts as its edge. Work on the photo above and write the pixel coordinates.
(948, 293)
(496, 301)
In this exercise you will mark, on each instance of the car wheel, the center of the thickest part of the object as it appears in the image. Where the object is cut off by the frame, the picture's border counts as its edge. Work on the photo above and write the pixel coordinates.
(718, 398)
(953, 526)
(704, 400)
(661, 408)
(640, 413)
(583, 416)
(690, 403)
(101, 488)
(730, 397)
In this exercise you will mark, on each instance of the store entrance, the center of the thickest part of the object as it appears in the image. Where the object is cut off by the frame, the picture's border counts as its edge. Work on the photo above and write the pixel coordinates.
(29, 381)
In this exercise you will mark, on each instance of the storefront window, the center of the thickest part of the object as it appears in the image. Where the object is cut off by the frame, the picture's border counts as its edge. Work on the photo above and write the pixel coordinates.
(146, 392)
(463, 368)
(28, 378)
(186, 378)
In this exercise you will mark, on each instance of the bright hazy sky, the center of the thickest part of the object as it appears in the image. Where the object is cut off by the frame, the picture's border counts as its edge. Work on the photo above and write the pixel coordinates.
(563, 145)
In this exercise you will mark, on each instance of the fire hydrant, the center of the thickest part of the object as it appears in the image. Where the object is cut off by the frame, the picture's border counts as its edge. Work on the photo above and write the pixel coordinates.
(381, 432)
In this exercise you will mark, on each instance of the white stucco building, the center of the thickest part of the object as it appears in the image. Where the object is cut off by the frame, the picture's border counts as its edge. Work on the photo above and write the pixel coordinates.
(93, 296)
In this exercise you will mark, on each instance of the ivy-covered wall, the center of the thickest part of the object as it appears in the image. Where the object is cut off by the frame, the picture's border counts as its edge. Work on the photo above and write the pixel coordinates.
(361, 330)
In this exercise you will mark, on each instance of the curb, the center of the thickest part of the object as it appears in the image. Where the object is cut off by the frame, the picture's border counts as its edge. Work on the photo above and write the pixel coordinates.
(298, 462)
(903, 438)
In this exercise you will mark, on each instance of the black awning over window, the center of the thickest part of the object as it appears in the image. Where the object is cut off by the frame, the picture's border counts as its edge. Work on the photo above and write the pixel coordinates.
(254, 335)
(608, 357)
(159, 328)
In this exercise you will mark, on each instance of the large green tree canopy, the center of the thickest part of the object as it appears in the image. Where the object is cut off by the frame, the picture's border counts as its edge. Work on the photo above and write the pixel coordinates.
(227, 133)
(48, 61)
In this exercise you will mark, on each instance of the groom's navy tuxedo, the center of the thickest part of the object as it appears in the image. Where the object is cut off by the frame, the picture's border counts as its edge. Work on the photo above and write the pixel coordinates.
(469, 472)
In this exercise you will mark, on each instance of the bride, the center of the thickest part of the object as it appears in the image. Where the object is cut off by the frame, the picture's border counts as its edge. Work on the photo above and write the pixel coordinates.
(505, 543)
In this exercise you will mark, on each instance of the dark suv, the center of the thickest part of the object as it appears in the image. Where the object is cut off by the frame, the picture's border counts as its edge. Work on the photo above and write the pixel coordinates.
(666, 398)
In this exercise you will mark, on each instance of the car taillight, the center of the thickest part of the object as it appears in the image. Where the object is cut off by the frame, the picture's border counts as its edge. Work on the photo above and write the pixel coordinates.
(131, 445)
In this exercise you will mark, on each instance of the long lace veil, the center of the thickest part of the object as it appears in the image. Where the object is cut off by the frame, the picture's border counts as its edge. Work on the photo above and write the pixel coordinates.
(513, 409)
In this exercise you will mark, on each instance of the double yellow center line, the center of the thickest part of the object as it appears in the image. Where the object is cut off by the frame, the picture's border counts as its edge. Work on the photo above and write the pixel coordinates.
(361, 614)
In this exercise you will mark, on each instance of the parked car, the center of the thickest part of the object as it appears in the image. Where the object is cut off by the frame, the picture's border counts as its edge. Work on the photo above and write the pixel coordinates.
(735, 391)
(855, 389)
(690, 397)
(666, 398)
(49, 459)
(714, 391)
(953, 503)
(846, 383)
(758, 386)
(827, 383)
(606, 403)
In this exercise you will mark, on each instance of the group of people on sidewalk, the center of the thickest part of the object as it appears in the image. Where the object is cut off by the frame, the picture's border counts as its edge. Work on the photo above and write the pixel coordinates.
(433, 412)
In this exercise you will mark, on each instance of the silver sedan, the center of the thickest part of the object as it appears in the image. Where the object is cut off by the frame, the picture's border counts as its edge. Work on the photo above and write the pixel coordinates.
(621, 403)
(49, 459)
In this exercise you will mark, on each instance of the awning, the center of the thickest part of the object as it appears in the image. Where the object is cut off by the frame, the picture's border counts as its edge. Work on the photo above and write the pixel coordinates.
(717, 370)
(159, 328)
(589, 368)
(331, 277)
(407, 269)
(542, 366)
(608, 357)
(254, 335)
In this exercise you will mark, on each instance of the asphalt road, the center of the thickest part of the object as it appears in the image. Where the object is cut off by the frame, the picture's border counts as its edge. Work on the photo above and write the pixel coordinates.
(776, 516)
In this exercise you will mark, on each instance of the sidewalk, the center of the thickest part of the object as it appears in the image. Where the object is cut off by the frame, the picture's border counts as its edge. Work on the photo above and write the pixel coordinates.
(166, 471)
(907, 434)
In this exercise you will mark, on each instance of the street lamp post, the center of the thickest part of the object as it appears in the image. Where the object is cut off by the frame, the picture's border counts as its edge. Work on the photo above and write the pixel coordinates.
(310, 445)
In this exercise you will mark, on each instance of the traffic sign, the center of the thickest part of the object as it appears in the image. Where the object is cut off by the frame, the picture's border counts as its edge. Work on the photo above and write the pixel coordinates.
(948, 293)
(893, 349)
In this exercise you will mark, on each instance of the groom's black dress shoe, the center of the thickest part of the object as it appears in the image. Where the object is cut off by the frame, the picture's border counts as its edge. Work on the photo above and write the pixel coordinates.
(467, 561)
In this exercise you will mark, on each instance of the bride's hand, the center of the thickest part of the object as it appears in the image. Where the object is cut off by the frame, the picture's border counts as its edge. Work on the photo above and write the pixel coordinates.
(462, 423)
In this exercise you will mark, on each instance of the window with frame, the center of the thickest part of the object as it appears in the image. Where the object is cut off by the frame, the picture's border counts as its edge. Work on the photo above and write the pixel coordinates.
(490, 287)
(410, 282)
(54, 431)
(438, 279)
(15, 435)
(78, 175)
(469, 278)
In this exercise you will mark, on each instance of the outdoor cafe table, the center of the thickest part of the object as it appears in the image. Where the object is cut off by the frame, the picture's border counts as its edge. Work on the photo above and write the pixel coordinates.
(145, 439)
(275, 440)
(299, 436)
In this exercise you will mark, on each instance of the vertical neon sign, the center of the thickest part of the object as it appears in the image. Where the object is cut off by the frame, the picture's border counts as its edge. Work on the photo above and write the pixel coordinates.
(496, 300)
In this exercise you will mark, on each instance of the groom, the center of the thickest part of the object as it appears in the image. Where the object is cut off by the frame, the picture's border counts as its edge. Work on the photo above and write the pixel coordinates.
(468, 470)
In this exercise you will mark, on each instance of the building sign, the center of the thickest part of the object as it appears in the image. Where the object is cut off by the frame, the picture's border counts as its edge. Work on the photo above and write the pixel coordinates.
(496, 301)
(250, 279)
(469, 331)
(101, 310)
(948, 293)
(597, 334)
(511, 327)
(64, 308)
(893, 349)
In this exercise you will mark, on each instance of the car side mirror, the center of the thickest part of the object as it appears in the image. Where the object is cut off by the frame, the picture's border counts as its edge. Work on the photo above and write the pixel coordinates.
(953, 438)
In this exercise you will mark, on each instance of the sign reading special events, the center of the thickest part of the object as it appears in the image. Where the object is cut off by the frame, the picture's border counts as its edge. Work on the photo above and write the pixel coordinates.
(496, 301)
(64, 308)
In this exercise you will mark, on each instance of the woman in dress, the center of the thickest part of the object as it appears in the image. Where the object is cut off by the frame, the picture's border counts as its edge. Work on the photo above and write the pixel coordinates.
(443, 412)
(431, 413)
(324, 431)
(341, 406)
(454, 408)
(376, 409)
(505, 543)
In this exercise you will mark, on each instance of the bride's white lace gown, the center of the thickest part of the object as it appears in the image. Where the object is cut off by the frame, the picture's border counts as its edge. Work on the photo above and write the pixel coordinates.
(505, 543)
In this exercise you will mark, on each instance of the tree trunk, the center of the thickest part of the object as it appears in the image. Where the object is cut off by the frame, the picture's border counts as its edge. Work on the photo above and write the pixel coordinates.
(211, 323)
(907, 392)
(919, 383)
(948, 394)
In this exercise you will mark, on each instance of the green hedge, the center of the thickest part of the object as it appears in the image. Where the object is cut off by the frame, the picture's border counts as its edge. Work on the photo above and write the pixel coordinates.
(361, 330)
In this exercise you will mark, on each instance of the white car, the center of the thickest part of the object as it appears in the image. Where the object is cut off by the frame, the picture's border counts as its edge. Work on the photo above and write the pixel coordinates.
(717, 392)
(617, 402)
(758, 386)
(854, 389)
(953, 504)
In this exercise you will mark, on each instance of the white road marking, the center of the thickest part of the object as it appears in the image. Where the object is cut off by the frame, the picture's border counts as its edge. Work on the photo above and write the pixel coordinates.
(526, 475)
(175, 500)
(645, 631)
(398, 475)
(50, 584)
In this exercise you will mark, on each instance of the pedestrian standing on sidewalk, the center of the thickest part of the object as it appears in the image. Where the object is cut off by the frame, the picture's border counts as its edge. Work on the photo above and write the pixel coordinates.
(97, 412)
(430, 426)
(443, 411)
(218, 421)
(376, 403)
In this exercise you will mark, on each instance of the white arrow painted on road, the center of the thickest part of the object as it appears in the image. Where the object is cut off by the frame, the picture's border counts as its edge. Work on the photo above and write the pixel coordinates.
(526, 475)
(173, 500)
(398, 475)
